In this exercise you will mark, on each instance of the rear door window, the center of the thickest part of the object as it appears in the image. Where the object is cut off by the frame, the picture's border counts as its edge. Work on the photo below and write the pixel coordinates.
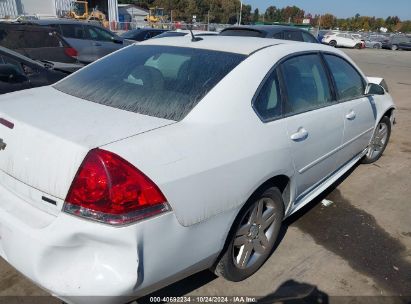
(293, 35)
(41, 39)
(99, 34)
(306, 83)
(278, 35)
(349, 83)
(268, 101)
(75, 31)
(160, 81)
(307, 37)
(56, 27)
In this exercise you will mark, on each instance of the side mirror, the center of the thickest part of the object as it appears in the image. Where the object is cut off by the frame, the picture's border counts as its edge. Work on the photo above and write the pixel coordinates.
(9, 73)
(374, 89)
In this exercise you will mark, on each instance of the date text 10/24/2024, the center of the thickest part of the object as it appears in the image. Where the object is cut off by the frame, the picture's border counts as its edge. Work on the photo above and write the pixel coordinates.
(203, 299)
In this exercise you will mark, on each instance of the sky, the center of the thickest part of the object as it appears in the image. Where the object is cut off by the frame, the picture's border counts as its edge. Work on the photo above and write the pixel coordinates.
(343, 8)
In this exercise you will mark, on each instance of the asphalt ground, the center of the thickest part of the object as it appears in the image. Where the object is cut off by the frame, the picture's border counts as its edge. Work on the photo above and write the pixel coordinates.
(357, 250)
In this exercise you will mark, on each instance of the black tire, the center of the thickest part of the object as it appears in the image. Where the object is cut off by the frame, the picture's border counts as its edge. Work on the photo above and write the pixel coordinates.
(376, 46)
(394, 47)
(333, 43)
(234, 264)
(378, 142)
(358, 46)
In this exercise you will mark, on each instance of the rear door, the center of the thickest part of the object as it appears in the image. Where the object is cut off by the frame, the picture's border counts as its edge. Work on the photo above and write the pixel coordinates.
(103, 41)
(359, 111)
(314, 121)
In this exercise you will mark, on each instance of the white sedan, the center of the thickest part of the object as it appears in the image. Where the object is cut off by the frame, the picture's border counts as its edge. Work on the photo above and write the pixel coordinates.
(176, 155)
(343, 40)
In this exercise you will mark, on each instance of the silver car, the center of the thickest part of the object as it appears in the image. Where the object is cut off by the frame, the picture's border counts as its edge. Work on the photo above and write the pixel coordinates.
(91, 41)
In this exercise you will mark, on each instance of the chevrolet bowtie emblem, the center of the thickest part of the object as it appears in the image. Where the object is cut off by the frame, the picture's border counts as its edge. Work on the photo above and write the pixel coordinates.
(2, 144)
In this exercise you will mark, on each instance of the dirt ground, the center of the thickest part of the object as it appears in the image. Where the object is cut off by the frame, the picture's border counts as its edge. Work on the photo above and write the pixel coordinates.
(359, 246)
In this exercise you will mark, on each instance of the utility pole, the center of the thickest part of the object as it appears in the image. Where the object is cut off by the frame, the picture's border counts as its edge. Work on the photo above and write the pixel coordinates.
(241, 10)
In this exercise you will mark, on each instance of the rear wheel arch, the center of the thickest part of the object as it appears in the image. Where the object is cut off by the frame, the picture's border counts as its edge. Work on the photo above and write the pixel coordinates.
(282, 182)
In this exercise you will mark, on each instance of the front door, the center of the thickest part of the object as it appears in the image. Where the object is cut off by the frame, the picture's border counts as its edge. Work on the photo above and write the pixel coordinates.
(359, 111)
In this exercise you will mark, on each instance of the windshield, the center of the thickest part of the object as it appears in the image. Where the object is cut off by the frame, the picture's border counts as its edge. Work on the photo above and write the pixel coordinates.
(243, 32)
(161, 81)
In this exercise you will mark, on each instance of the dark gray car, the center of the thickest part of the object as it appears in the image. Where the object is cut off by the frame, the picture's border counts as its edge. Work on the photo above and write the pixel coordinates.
(271, 31)
(36, 42)
(91, 41)
(18, 72)
(393, 42)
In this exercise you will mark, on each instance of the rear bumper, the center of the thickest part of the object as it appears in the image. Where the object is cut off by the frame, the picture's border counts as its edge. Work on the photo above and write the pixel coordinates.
(77, 260)
(65, 255)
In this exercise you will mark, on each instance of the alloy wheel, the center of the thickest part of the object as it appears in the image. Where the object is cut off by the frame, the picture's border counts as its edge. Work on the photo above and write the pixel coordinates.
(254, 236)
(378, 141)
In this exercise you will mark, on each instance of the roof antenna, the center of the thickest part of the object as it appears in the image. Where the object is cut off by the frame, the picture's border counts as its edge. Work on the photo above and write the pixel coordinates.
(193, 38)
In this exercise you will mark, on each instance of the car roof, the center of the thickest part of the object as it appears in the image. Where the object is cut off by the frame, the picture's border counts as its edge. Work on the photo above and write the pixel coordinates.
(269, 29)
(24, 26)
(59, 21)
(230, 44)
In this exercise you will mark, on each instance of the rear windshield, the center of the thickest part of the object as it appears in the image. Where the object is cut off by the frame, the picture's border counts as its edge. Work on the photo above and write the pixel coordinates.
(134, 34)
(161, 81)
(28, 38)
(243, 32)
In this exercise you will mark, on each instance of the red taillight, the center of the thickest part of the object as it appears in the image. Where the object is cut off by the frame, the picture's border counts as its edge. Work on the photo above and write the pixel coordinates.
(109, 189)
(71, 52)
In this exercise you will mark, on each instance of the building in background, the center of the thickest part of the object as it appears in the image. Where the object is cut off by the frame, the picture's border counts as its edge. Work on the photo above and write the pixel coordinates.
(10, 9)
(131, 13)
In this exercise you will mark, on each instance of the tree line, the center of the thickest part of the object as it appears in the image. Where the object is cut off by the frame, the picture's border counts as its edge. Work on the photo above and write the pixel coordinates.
(227, 12)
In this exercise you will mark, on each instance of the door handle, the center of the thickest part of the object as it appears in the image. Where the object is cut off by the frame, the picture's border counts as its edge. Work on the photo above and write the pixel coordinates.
(301, 134)
(96, 44)
(351, 115)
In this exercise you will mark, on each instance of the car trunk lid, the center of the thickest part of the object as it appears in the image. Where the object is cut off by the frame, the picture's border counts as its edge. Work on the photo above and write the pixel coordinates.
(45, 135)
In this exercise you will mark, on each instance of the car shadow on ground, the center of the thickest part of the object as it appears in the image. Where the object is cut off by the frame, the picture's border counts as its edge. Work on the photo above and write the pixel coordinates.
(290, 292)
(199, 279)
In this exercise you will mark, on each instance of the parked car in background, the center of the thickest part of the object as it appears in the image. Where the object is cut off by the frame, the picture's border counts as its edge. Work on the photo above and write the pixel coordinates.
(134, 174)
(36, 42)
(322, 33)
(406, 45)
(393, 42)
(18, 72)
(359, 37)
(91, 41)
(142, 34)
(270, 31)
(342, 40)
(180, 33)
(373, 41)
